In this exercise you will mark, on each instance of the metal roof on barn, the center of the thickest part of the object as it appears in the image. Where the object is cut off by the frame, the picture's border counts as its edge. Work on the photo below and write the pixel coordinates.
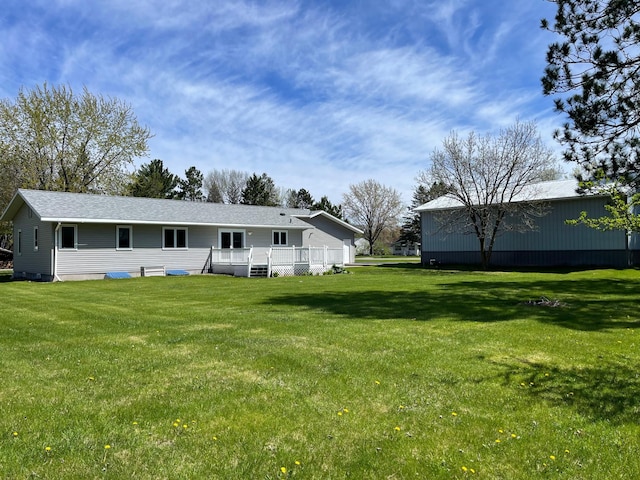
(67, 207)
(542, 192)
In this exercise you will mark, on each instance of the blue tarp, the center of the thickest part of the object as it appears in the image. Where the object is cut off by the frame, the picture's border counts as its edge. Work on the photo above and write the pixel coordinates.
(175, 273)
(117, 275)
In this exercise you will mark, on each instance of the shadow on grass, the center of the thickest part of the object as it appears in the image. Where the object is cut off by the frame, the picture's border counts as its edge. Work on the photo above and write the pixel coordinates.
(588, 305)
(607, 392)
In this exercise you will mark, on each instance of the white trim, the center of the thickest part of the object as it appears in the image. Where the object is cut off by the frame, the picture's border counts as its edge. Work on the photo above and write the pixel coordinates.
(232, 231)
(175, 237)
(280, 232)
(127, 227)
(330, 217)
(75, 236)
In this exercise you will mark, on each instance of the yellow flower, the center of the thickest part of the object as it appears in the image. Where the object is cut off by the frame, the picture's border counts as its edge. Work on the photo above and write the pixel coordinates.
(552, 457)
(47, 449)
(107, 447)
(297, 462)
(176, 424)
(15, 434)
(377, 382)
(135, 423)
(215, 438)
(397, 429)
(472, 470)
(500, 431)
(283, 469)
(339, 414)
(566, 451)
(345, 410)
(497, 440)
(464, 469)
(513, 435)
(454, 414)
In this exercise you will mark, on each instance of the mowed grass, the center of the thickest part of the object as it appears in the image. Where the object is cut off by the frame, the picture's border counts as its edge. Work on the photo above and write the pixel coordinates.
(389, 372)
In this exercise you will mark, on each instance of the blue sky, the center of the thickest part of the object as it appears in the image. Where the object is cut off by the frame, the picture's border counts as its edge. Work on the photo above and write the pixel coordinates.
(317, 94)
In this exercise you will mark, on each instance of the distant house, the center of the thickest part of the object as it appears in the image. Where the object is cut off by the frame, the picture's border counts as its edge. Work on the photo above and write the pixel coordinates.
(405, 248)
(63, 236)
(553, 243)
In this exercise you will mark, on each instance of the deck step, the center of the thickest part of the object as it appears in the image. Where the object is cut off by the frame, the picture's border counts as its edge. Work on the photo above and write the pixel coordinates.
(259, 271)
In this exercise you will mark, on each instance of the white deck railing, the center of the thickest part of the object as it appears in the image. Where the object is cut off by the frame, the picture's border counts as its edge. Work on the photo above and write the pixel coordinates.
(282, 260)
(231, 256)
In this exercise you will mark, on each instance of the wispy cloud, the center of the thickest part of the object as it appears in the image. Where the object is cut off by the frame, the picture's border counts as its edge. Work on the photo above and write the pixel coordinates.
(317, 95)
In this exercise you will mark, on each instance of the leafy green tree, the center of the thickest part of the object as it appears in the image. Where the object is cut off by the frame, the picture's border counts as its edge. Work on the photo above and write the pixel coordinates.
(374, 207)
(594, 69)
(325, 205)
(191, 186)
(260, 190)
(153, 180)
(52, 139)
(411, 229)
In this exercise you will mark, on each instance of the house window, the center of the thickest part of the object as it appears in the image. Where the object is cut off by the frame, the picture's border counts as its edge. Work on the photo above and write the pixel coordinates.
(68, 237)
(232, 239)
(280, 237)
(35, 239)
(174, 238)
(124, 237)
(19, 246)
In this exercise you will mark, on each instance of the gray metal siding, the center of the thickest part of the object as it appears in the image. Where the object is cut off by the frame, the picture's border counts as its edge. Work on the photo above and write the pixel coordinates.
(552, 234)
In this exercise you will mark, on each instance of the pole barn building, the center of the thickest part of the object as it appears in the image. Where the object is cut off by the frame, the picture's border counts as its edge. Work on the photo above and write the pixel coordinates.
(552, 243)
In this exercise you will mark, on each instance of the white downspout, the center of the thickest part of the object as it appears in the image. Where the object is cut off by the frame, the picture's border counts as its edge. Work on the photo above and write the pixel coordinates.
(55, 253)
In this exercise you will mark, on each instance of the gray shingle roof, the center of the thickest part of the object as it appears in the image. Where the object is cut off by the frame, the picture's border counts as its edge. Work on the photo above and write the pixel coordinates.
(543, 191)
(79, 208)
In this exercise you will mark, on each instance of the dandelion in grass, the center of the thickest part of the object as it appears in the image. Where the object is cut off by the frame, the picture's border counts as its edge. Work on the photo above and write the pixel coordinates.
(215, 439)
(339, 414)
(454, 414)
(283, 470)
(498, 440)
(552, 457)
(47, 449)
(397, 429)
(176, 424)
(377, 382)
(465, 469)
(297, 462)
(15, 434)
(106, 451)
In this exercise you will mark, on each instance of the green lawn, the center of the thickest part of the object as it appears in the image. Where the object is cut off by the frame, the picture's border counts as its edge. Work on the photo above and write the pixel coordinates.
(389, 372)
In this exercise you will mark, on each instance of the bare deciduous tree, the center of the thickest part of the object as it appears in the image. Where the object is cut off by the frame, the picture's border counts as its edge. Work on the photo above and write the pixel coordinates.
(491, 181)
(373, 207)
(225, 186)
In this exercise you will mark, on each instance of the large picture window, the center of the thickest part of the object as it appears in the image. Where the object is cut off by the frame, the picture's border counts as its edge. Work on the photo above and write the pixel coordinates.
(280, 237)
(68, 237)
(174, 238)
(232, 239)
(124, 237)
